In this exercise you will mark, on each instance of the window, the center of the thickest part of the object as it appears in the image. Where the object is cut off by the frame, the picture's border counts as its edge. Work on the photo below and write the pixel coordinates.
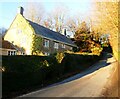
(63, 45)
(71, 48)
(9, 53)
(46, 43)
(56, 45)
(14, 53)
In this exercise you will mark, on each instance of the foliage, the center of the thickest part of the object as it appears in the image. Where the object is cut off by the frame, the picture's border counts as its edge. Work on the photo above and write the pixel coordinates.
(45, 63)
(3, 30)
(89, 46)
(73, 24)
(37, 43)
(87, 41)
(82, 32)
(108, 22)
(34, 12)
(26, 64)
(56, 20)
(96, 50)
(22, 72)
(108, 49)
(22, 63)
(78, 62)
(59, 57)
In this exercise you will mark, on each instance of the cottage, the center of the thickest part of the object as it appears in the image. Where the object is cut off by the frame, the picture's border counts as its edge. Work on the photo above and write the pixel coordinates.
(7, 48)
(35, 38)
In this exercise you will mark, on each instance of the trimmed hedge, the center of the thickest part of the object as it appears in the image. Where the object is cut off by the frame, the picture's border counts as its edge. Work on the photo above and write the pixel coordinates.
(76, 62)
(26, 63)
(22, 72)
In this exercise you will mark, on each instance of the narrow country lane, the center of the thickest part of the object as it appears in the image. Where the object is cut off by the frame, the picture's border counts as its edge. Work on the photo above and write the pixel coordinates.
(90, 83)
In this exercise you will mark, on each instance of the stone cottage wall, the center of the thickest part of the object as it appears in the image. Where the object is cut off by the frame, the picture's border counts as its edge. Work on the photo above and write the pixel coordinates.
(20, 33)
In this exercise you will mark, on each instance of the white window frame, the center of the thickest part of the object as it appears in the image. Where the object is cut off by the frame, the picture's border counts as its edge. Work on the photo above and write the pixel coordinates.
(63, 45)
(46, 43)
(14, 52)
(11, 53)
(71, 48)
(56, 45)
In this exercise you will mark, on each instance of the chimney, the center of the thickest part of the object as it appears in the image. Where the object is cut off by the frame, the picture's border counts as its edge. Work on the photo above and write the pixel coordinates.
(64, 32)
(20, 10)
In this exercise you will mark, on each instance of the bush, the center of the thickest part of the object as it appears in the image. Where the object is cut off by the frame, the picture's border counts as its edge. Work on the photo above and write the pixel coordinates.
(77, 62)
(96, 50)
(59, 57)
(26, 63)
(22, 72)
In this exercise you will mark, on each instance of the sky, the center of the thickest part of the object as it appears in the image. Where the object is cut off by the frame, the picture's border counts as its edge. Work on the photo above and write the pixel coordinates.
(8, 8)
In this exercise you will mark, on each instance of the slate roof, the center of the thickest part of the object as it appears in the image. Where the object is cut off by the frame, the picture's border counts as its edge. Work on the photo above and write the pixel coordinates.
(45, 32)
(6, 45)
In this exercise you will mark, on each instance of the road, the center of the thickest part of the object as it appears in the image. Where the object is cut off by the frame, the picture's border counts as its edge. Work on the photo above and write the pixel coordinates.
(91, 83)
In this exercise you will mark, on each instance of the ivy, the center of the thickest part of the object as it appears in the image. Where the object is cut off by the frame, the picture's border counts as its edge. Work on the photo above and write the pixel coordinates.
(37, 43)
(60, 57)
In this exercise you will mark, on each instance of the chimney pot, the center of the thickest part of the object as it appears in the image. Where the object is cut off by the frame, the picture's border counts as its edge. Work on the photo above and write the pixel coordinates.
(64, 32)
(20, 10)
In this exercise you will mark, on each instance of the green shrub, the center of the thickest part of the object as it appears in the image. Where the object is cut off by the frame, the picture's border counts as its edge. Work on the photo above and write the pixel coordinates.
(59, 57)
(96, 50)
(22, 72)
(77, 62)
(26, 63)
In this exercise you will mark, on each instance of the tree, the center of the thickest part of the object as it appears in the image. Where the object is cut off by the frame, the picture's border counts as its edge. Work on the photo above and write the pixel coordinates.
(59, 18)
(107, 14)
(84, 39)
(34, 12)
(81, 36)
(73, 24)
(49, 22)
(56, 20)
(82, 32)
(3, 30)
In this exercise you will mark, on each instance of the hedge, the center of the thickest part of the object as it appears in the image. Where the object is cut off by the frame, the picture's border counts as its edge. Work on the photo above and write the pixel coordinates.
(76, 62)
(22, 72)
